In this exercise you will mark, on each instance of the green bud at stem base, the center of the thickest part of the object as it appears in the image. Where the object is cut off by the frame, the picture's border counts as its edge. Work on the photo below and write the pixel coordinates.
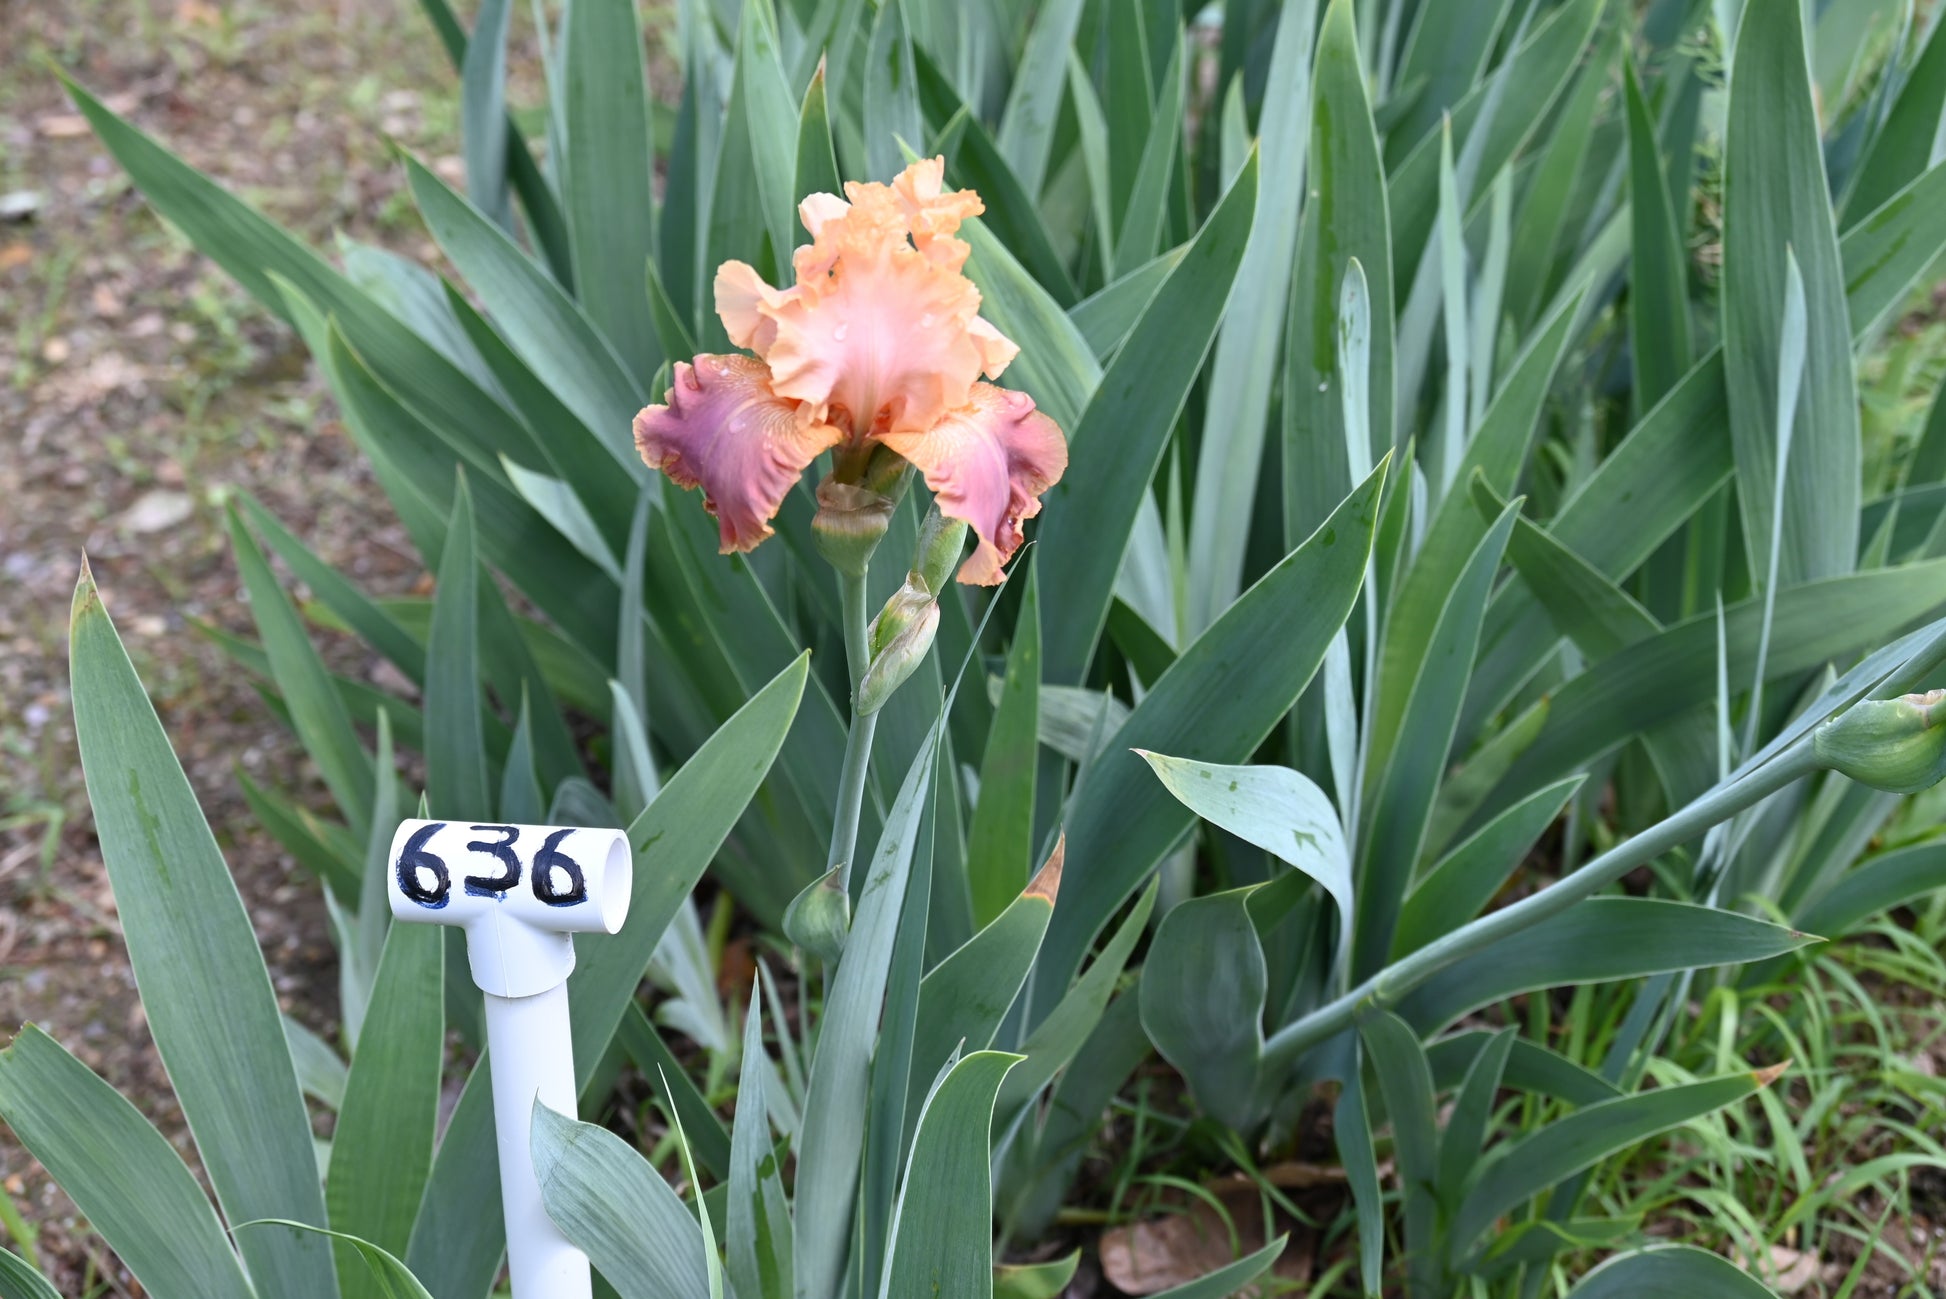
(849, 524)
(1897, 745)
(819, 918)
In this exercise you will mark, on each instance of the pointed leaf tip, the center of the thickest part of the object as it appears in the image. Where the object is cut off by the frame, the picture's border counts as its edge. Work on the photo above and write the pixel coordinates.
(1047, 880)
(86, 595)
(1765, 1077)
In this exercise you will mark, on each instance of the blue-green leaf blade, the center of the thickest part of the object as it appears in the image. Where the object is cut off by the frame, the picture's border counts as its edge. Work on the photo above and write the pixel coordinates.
(1215, 704)
(616, 1208)
(1658, 314)
(1601, 939)
(189, 940)
(323, 725)
(1120, 440)
(1203, 989)
(1677, 1269)
(389, 1278)
(1775, 202)
(674, 840)
(758, 1231)
(606, 166)
(1028, 122)
(1231, 1279)
(457, 787)
(1347, 218)
(999, 842)
(381, 1152)
(942, 1230)
(1243, 369)
(1515, 1173)
(120, 1172)
(833, 1135)
(19, 1280)
(547, 328)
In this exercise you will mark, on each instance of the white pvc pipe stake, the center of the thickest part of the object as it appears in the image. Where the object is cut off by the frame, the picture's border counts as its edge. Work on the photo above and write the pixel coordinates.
(520, 892)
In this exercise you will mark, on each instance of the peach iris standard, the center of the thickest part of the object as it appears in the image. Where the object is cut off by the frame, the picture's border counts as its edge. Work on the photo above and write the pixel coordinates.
(879, 343)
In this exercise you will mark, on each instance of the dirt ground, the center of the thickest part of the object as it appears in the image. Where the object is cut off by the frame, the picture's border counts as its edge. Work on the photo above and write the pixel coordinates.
(139, 389)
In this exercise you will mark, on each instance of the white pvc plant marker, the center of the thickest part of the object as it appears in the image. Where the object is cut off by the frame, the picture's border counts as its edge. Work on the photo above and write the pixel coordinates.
(520, 892)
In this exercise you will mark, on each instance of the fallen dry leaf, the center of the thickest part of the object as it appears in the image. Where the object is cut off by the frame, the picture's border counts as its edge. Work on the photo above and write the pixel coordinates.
(62, 126)
(1792, 1269)
(1156, 1254)
(1291, 1175)
(1789, 1270)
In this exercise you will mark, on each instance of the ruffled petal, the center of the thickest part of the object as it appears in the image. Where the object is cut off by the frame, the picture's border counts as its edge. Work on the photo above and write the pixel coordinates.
(987, 464)
(748, 306)
(921, 181)
(813, 261)
(997, 351)
(818, 210)
(884, 347)
(724, 430)
(881, 332)
(933, 213)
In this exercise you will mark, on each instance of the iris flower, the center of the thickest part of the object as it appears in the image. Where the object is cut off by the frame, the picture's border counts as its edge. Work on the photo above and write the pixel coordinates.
(879, 343)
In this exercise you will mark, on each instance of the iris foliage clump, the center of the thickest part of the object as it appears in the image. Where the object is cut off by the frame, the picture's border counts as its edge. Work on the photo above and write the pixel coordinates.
(1435, 655)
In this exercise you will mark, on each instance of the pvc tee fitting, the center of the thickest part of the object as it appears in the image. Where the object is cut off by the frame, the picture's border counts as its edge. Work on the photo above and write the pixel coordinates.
(519, 892)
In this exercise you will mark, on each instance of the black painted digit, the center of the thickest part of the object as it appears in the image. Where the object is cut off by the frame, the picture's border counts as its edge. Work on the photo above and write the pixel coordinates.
(495, 886)
(415, 861)
(550, 859)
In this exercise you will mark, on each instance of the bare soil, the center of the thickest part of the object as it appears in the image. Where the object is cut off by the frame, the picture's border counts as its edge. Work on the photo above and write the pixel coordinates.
(139, 390)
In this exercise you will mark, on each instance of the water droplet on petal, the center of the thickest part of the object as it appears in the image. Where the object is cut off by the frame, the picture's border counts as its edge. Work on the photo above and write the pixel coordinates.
(839, 333)
(925, 321)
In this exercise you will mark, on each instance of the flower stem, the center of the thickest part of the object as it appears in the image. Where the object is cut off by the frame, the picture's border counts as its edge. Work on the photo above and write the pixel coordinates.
(858, 741)
(1390, 985)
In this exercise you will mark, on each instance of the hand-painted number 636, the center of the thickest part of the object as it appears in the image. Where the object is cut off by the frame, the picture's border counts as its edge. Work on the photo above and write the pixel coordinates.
(423, 876)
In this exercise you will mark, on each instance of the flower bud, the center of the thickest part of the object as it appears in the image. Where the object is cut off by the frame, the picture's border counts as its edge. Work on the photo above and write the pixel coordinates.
(819, 918)
(849, 524)
(906, 605)
(936, 556)
(1897, 745)
(884, 471)
(897, 653)
(902, 633)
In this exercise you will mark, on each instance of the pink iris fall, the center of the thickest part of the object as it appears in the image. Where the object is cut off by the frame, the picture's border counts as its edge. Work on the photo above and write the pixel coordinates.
(880, 341)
